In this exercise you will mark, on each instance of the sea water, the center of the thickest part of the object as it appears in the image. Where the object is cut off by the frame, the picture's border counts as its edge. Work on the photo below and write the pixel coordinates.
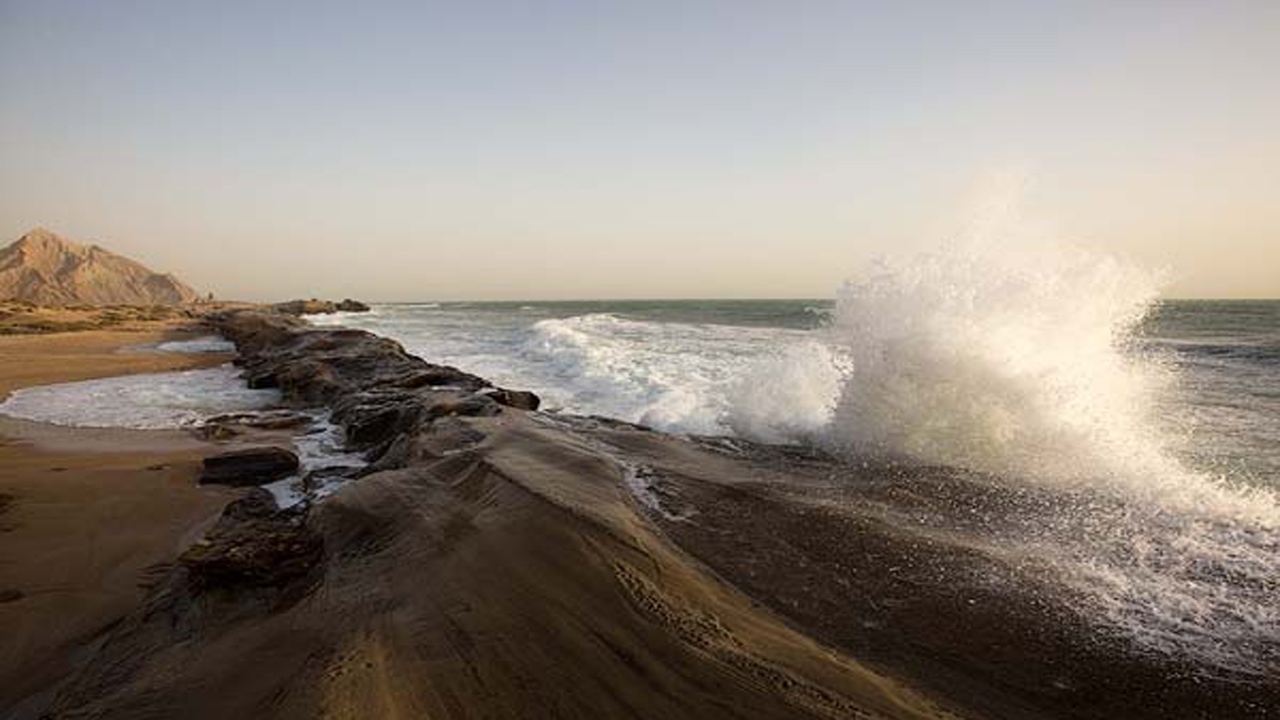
(968, 383)
(1156, 423)
(150, 401)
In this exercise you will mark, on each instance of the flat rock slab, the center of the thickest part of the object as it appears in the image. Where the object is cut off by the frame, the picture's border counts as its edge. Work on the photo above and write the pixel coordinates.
(251, 466)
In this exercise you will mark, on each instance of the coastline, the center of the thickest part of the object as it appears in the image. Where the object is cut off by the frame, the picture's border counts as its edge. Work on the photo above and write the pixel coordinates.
(493, 560)
(487, 563)
(87, 513)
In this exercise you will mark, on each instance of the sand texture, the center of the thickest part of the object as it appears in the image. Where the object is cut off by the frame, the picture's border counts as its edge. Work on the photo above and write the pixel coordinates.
(86, 516)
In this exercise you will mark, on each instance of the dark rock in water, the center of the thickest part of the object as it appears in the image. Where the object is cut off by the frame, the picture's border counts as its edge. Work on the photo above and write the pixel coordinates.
(305, 307)
(252, 466)
(319, 307)
(225, 427)
(261, 380)
(321, 365)
(254, 545)
(373, 423)
(522, 399)
(320, 477)
(440, 376)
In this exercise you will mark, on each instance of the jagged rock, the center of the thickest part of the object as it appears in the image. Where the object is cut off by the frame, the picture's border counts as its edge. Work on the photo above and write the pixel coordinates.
(377, 391)
(254, 544)
(440, 376)
(319, 307)
(374, 423)
(252, 466)
(225, 427)
(522, 399)
(349, 305)
(470, 406)
(319, 365)
(305, 307)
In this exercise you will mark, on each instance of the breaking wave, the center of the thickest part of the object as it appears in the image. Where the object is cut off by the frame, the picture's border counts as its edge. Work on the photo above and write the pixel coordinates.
(1024, 365)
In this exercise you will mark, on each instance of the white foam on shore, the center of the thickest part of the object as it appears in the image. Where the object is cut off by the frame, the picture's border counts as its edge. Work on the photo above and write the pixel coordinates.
(210, 344)
(322, 447)
(204, 345)
(153, 401)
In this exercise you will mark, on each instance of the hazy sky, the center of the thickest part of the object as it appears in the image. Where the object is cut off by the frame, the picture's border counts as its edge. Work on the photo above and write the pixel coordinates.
(528, 149)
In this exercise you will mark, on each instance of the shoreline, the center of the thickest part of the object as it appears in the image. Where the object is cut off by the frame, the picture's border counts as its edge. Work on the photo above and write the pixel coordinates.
(479, 566)
(87, 512)
(525, 563)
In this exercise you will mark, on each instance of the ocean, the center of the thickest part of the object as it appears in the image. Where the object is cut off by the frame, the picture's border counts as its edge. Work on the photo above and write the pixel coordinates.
(1137, 441)
(1130, 445)
(773, 369)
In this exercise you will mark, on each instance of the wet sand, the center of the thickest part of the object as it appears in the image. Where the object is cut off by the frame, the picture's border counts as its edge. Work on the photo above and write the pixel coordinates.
(85, 515)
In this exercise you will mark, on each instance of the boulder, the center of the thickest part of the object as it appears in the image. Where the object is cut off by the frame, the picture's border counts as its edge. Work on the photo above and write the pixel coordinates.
(305, 307)
(349, 305)
(519, 399)
(251, 466)
(231, 425)
(471, 406)
(254, 544)
(319, 307)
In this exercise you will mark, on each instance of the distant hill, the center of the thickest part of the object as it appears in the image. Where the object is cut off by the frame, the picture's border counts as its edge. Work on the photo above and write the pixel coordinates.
(46, 269)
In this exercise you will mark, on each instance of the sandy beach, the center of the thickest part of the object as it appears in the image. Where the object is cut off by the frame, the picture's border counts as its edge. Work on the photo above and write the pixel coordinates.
(84, 514)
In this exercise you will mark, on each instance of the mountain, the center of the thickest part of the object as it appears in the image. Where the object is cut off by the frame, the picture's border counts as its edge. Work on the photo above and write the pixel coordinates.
(46, 269)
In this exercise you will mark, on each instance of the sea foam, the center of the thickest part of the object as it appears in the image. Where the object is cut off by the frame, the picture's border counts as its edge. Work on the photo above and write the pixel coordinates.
(147, 402)
(1021, 362)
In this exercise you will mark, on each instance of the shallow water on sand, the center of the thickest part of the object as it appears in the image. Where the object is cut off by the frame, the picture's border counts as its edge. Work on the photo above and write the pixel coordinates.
(148, 402)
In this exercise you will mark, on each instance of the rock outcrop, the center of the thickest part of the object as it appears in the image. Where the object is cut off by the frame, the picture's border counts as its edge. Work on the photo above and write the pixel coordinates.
(497, 562)
(319, 307)
(249, 466)
(46, 269)
(487, 564)
(253, 544)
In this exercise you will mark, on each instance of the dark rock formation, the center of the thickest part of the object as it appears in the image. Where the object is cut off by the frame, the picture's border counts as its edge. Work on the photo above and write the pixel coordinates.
(226, 427)
(376, 390)
(319, 307)
(253, 544)
(500, 563)
(251, 466)
(522, 399)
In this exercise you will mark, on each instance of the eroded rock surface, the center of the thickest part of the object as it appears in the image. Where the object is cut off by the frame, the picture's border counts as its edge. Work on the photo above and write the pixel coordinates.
(249, 466)
(254, 544)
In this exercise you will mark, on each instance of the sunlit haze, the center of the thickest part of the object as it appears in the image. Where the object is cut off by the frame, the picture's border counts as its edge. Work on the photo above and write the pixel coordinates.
(512, 150)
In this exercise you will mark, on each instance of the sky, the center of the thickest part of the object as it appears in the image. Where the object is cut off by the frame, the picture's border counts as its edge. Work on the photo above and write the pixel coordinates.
(608, 149)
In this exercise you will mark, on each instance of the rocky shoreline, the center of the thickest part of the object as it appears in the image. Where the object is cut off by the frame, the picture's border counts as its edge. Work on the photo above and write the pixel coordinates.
(486, 563)
(494, 561)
